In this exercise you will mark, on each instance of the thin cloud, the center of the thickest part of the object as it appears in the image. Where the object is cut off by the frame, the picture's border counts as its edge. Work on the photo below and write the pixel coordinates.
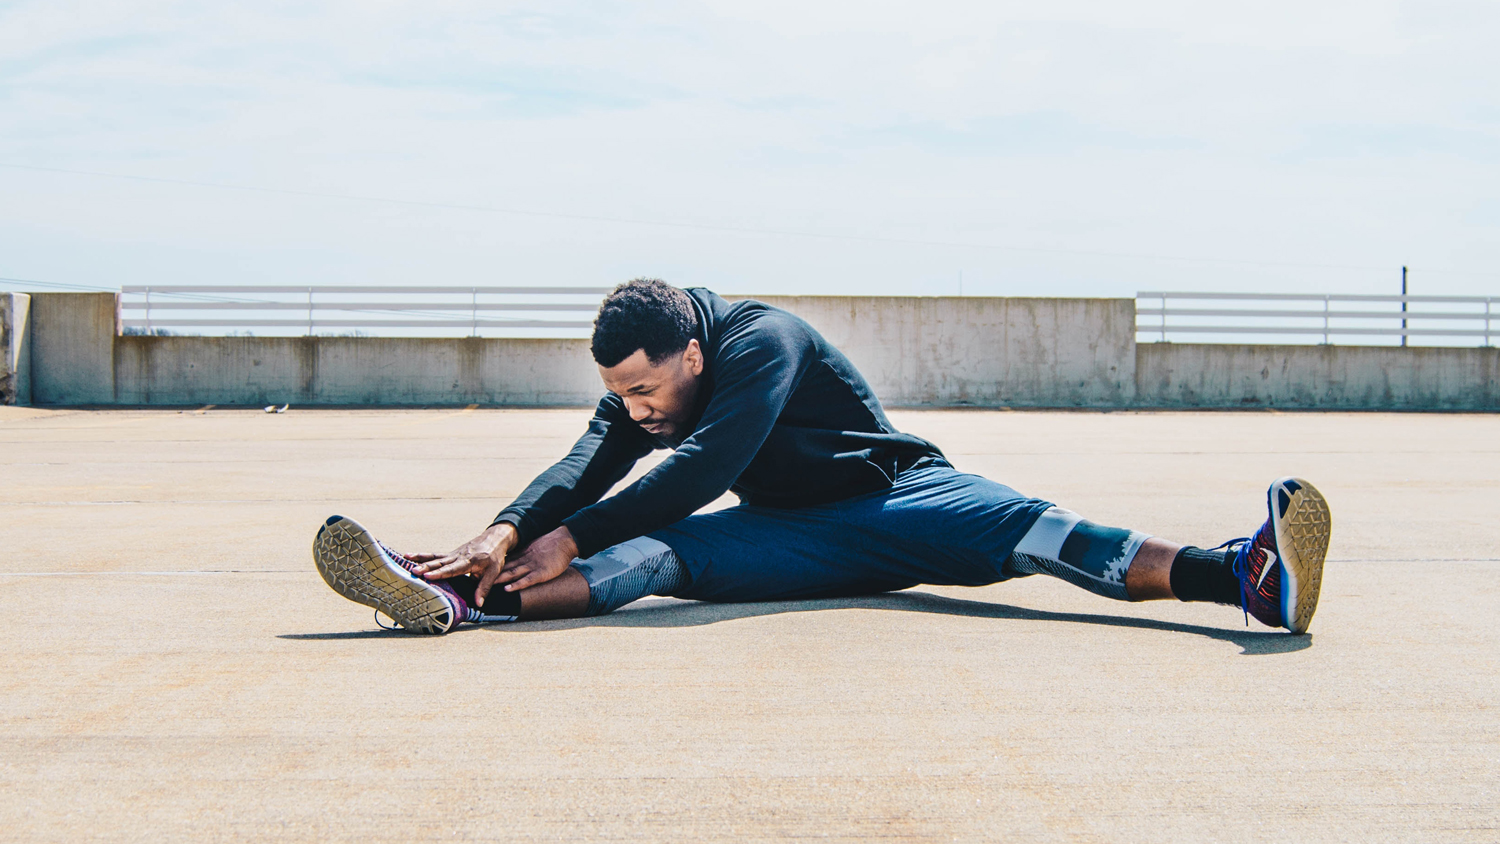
(1348, 134)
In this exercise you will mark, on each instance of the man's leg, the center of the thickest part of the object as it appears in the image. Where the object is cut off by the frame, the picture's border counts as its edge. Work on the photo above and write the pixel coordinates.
(943, 527)
(1148, 578)
(606, 581)
(597, 585)
(565, 596)
(364, 570)
(1121, 564)
(1275, 574)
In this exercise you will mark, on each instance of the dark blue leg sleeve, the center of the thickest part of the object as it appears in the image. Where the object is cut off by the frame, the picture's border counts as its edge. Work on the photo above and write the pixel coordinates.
(1067, 546)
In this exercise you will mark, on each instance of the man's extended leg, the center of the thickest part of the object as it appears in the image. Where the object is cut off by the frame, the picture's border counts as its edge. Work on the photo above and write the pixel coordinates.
(943, 527)
(1274, 575)
(365, 570)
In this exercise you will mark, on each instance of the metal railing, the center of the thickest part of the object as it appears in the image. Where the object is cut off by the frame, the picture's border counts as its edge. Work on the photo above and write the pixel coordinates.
(1319, 315)
(332, 308)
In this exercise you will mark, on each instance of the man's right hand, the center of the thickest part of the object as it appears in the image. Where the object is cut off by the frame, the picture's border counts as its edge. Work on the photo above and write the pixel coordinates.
(483, 555)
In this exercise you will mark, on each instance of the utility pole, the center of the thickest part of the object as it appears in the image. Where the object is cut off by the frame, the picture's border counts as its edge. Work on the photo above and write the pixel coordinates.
(1403, 306)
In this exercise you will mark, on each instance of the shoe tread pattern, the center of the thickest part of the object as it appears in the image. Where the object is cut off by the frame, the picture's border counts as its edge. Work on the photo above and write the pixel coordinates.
(347, 559)
(1307, 527)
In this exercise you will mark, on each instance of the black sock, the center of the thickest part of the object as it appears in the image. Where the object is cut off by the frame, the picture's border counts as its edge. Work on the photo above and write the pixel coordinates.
(498, 603)
(1199, 575)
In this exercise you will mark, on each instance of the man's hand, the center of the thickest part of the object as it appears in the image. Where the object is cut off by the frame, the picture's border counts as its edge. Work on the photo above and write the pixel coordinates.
(545, 558)
(484, 556)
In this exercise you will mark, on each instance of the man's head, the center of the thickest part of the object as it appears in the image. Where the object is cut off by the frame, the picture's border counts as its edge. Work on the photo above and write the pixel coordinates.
(647, 354)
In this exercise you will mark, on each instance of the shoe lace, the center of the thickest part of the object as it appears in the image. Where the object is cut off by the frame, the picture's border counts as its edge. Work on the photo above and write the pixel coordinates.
(1240, 567)
(411, 565)
(401, 559)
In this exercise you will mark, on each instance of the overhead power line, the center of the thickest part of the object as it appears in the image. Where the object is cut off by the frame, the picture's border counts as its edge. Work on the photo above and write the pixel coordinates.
(91, 288)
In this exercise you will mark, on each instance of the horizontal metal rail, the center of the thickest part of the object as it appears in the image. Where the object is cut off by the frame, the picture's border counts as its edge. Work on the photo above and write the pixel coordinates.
(153, 308)
(1316, 297)
(1304, 314)
(333, 288)
(464, 307)
(354, 323)
(1396, 319)
(1280, 329)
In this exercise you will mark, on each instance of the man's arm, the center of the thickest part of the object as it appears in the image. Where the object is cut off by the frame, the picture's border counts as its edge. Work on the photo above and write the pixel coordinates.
(600, 458)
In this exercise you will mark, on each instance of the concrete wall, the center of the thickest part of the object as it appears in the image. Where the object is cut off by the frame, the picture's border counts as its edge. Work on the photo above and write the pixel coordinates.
(1322, 377)
(943, 351)
(15, 348)
(73, 338)
(916, 352)
(353, 371)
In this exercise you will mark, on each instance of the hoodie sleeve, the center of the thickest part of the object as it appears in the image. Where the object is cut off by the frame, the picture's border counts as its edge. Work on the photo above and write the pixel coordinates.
(759, 365)
(600, 458)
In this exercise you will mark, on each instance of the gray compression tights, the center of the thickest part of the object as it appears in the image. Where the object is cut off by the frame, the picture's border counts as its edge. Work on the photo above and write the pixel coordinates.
(629, 571)
(1062, 544)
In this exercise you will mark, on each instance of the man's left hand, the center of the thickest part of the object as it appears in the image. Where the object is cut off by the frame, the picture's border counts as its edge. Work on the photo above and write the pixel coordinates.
(547, 557)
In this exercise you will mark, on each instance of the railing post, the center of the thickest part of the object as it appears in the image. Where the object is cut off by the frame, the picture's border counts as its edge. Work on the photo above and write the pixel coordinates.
(474, 314)
(1487, 301)
(1164, 317)
(148, 313)
(1403, 307)
(1325, 319)
(309, 312)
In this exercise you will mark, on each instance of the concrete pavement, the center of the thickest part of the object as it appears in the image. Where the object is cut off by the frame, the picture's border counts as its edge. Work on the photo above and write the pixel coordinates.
(175, 668)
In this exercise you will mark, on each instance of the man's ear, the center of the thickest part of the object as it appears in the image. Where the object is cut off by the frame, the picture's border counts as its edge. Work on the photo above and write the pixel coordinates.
(693, 357)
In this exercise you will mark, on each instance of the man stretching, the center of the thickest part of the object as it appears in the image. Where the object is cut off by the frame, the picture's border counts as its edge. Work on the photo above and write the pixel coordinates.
(835, 502)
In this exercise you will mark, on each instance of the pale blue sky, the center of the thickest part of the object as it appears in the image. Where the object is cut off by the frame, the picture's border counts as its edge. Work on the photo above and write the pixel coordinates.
(1066, 148)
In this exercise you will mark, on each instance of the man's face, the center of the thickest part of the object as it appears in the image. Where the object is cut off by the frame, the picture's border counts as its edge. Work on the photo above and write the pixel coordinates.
(660, 397)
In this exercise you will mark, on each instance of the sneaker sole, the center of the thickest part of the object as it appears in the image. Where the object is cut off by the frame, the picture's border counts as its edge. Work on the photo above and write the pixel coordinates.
(1304, 524)
(353, 565)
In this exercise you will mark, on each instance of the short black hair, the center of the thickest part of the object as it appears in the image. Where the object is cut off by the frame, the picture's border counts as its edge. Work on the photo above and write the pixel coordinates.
(646, 314)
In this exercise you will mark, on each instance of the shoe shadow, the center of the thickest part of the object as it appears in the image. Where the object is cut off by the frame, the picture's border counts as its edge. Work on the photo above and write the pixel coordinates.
(343, 634)
(678, 613)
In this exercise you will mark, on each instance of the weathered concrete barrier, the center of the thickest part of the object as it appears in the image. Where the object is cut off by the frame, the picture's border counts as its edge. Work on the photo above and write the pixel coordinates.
(928, 351)
(353, 371)
(73, 338)
(15, 348)
(944, 351)
(916, 351)
(1321, 377)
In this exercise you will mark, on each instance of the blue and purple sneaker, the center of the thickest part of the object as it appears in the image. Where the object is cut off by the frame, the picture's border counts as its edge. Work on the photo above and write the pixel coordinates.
(1281, 567)
(360, 568)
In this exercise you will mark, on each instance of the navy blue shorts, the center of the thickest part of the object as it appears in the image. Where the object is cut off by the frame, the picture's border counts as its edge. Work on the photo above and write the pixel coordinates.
(936, 525)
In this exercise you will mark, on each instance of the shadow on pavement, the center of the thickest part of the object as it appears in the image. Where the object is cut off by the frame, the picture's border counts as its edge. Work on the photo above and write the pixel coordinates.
(677, 613)
(342, 634)
(674, 613)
